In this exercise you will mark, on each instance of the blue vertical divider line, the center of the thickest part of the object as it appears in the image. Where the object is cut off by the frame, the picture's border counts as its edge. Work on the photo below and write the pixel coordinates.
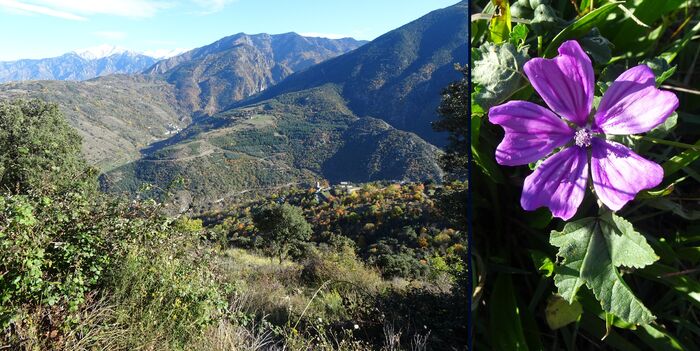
(469, 207)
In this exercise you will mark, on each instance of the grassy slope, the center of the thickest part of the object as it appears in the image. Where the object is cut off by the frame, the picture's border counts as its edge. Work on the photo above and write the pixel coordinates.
(116, 115)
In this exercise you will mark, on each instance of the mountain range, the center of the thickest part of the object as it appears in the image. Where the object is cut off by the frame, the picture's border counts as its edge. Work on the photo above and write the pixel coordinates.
(118, 115)
(78, 65)
(251, 113)
(211, 78)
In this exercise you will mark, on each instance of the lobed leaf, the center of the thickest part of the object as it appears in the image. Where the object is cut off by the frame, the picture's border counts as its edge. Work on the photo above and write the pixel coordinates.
(592, 249)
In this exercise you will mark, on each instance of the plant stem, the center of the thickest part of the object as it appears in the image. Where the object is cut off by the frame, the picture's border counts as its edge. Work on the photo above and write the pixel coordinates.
(666, 142)
(539, 45)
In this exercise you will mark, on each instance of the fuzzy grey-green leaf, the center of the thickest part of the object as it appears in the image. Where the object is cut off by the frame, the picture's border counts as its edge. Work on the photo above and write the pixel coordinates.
(498, 70)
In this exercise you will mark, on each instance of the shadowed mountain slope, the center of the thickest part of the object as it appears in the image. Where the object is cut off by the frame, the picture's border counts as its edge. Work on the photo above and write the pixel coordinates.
(397, 77)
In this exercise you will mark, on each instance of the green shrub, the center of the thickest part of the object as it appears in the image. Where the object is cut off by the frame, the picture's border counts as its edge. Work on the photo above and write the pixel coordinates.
(40, 151)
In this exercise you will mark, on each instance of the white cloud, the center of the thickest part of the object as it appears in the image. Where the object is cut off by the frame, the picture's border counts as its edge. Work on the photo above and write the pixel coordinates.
(110, 35)
(79, 9)
(325, 35)
(212, 6)
(126, 8)
(26, 8)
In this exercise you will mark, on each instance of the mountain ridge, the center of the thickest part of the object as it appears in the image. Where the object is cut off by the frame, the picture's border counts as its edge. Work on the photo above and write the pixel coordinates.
(407, 67)
(213, 77)
(74, 66)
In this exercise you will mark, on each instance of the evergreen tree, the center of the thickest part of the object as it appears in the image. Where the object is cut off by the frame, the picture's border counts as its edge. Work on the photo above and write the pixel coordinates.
(454, 111)
(282, 226)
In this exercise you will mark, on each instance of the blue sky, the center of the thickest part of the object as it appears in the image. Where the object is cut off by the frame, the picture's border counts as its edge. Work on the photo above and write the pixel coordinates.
(47, 28)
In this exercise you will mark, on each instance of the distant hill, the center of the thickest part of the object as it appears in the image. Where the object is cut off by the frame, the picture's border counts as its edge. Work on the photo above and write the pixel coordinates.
(116, 115)
(82, 65)
(397, 77)
(294, 138)
(213, 77)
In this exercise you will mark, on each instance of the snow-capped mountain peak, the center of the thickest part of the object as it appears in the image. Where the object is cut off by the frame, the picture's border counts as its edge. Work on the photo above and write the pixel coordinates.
(164, 53)
(98, 52)
(105, 50)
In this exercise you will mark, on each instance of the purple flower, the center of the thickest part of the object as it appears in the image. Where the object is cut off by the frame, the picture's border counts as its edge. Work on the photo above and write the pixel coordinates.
(631, 105)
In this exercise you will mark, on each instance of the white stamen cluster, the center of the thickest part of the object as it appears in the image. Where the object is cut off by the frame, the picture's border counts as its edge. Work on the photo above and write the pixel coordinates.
(583, 137)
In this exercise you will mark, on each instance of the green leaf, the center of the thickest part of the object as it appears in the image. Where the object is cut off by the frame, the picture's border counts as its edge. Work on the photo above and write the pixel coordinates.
(597, 46)
(480, 26)
(635, 40)
(629, 248)
(670, 54)
(585, 4)
(684, 285)
(504, 317)
(691, 254)
(596, 328)
(519, 34)
(475, 121)
(680, 161)
(542, 262)
(675, 207)
(660, 339)
(560, 313)
(487, 165)
(661, 68)
(518, 10)
(650, 194)
(592, 249)
(538, 219)
(573, 243)
(608, 76)
(582, 26)
(476, 108)
(500, 26)
(498, 70)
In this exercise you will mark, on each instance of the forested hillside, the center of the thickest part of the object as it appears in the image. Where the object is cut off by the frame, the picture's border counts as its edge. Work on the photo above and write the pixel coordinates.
(297, 138)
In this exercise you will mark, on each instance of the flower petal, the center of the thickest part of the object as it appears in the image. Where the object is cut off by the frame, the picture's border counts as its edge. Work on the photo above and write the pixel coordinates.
(565, 82)
(633, 104)
(619, 174)
(558, 183)
(532, 132)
